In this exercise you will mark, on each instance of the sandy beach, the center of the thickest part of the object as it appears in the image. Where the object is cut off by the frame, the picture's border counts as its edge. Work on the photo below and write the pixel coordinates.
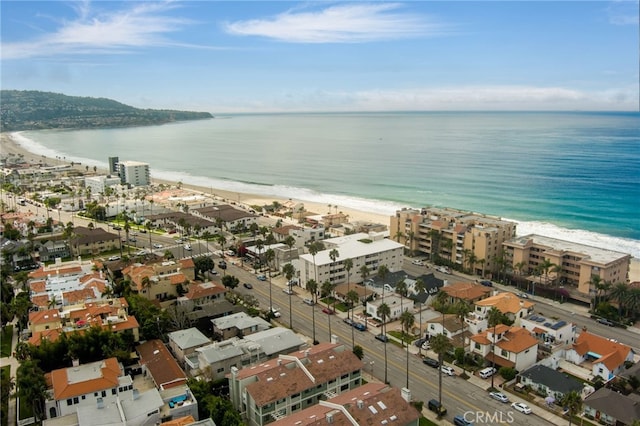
(9, 146)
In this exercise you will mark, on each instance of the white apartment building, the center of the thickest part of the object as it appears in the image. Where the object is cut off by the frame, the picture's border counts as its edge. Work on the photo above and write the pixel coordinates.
(134, 173)
(99, 184)
(363, 249)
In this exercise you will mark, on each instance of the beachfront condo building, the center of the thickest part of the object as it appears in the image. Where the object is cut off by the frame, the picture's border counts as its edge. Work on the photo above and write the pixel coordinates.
(370, 250)
(568, 264)
(134, 173)
(472, 241)
(99, 184)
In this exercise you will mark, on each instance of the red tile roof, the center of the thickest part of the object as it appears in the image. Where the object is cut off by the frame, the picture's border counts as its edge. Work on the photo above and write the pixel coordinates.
(44, 317)
(164, 369)
(64, 387)
(612, 354)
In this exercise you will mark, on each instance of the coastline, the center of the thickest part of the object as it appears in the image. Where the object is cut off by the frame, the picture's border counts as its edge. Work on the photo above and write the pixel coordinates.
(10, 146)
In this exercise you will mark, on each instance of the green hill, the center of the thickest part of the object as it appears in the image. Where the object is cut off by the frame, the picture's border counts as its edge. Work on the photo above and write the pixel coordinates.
(34, 110)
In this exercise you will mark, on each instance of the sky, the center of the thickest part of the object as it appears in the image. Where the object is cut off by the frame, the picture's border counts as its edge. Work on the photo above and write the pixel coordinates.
(278, 56)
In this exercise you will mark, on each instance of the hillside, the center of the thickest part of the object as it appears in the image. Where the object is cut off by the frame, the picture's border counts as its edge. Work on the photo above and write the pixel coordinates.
(34, 110)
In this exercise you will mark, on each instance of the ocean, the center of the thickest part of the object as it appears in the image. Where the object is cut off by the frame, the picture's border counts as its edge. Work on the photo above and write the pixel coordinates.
(570, 175)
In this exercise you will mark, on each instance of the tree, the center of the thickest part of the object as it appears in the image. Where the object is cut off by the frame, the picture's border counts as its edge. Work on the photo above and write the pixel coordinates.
(462, 309)
(259, 247)
(383, 312)
(32, 387)
(145, 283)
(407, 320)
(364, 273)
(572, 402)
(352, 299)
(269, 255)
(440, 344)
(312, 287)
(327, 291)
(494, 318)
(230, 281)
(333, 255)
(545, 266)
(402, 290)
(358, 351)
(289, 271)
(434, 236)
(419, 287)
(383, 271)
(348, 265)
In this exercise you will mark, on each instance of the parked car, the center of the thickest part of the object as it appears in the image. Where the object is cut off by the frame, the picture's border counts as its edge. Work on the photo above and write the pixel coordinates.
(425, 345)
(487, 372)
(443, 269)
(419, 342)
(112, 258)
(359, 326)
(605, 322)
(523, 296)
(288, 291)
(328, 311)
(459, 420)
(499, 396)
(276, 313)
(431, 362)
(222, 264)
(382, 337)
(348, 321)
(247, 285)
(448, 370)
(262, 277)
(522, 407)
(157, 246)
(486, 283)
(417, 262)
(309, 302)
(435, 406)
(187, 247)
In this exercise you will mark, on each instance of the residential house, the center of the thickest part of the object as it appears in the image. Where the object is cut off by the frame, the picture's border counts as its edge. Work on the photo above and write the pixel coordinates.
(92, 241)
(612, 408)
(514, 346)
(229, 216)
(468, 292)
(51, 250)
(44, 320)
(606, 357)
(549, 382)
(185, 342)
(238, 324)
(178, 402)
(395, 307)
(450, 326)
(216, 360)
(294, 382)
(160, 280)
(369, 404)
(510, 305)
(552, 334)
(157, 361)
(202, 294)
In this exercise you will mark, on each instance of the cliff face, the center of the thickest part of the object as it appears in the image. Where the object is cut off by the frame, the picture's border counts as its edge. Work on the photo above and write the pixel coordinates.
(33, 110)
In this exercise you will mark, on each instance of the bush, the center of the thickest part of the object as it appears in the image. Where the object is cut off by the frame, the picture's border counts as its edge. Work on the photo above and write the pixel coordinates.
(508, 373)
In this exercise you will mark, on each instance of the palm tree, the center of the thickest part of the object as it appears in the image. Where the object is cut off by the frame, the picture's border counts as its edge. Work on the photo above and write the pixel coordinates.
(145, 283)
(401, 289)
(383, 312)
(352, 299)
(572, 401)
(327, 291)
(419, 287)
(440, 344)
(314, 248)
(595, 282)
(472, 259)
(462, 309)
(312, 287)
(545, 267)
(407, 320)
(383, 271)
(348, 264)
(364, 273)
(259, 247)
(619, 293)
(434, 236)
(148, 225)
(289, 271)
(269, 255)
(494, 318)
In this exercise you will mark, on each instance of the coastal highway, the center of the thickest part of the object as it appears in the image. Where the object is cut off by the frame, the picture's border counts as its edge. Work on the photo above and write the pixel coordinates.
(458, 395)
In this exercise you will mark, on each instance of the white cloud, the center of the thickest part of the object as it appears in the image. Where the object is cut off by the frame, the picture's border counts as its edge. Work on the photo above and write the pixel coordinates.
(346, 23)
(107, 32)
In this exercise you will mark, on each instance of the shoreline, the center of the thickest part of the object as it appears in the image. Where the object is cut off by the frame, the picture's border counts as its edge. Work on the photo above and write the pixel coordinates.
(10, 146)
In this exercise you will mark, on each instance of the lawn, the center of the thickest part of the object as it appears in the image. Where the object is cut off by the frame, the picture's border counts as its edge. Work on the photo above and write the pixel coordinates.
(5, 345)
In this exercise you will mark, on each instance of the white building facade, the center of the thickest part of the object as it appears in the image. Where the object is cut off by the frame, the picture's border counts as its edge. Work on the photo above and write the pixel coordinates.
(134, 173)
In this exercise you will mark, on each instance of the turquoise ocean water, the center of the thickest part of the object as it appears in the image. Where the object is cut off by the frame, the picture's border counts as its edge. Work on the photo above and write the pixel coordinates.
(569, 175)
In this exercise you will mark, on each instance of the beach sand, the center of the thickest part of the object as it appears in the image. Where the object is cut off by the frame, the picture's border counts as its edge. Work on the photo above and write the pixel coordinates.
(9, 146)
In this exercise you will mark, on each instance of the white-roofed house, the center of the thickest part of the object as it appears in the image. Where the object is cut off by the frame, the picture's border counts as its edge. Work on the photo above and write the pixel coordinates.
(185, 342)
(238, 324)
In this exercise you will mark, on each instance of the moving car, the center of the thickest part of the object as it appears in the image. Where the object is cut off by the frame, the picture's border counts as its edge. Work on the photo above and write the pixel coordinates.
(431, 362)
(435, 406)
(522, 407)
(605, 322)
(448, 370)
(112, 258)
(460, 421)
(288, 291)
(443, 269)
(499, 396)
(382, 337)
(261, 277)
(328, 311)
(187, 247)
(247, 285)
(523, 296)
(359, 326)
(309, 302)
(486, 283)
(157, 246)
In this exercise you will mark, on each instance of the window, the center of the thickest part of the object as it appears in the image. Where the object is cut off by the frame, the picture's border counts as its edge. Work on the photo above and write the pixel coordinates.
(295, 407)
(477, 345)
(344, 376)
(113, 391)
(75, 400)
(69, 402)
(220, 370)
(104, 393)
(84, 397)
(504, 353)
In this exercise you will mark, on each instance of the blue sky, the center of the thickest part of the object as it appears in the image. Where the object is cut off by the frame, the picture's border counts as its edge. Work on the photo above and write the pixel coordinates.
(270, 56)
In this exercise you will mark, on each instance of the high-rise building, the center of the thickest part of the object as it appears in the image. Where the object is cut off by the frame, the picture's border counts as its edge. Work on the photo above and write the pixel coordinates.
(134, 173)
(113, 165)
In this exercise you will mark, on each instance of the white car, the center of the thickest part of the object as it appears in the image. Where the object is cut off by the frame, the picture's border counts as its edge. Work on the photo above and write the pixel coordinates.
(443, 269)
(309, 302)
(187, 247)
(157, 246)
(448, 370)
(499, 396)
(426, 346)
(418, 262)
(112, 258)
(522, 407)
(288, 291)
